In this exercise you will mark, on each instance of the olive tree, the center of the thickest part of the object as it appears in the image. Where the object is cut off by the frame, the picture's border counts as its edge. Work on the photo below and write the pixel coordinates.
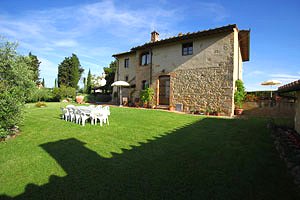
(16, 84)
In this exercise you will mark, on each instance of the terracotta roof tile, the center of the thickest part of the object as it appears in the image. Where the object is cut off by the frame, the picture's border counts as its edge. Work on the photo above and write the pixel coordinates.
(293, 86)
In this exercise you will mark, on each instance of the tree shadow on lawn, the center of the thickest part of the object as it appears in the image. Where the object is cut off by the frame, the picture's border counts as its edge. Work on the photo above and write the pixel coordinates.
(209, 159)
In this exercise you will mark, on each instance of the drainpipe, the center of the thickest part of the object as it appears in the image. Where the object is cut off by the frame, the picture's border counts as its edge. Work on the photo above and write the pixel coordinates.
(238, 58)
(118, 78)
(150, 67)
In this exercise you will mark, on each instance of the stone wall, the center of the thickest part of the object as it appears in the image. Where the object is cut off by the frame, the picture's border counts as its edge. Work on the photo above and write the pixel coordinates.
(297, 114)
(202, 89)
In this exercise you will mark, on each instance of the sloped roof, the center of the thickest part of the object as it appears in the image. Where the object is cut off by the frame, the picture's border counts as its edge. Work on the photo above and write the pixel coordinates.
(244, 39)
(293, 86)
(186, 36)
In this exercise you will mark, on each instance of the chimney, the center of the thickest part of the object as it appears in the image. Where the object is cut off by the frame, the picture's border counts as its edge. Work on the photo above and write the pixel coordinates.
(154, 36)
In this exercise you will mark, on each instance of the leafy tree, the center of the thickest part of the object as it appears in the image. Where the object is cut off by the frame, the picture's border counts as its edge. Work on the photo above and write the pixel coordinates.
(69, 72)
(34, 67)
(16, 85)
(110, 76)
(89, 83)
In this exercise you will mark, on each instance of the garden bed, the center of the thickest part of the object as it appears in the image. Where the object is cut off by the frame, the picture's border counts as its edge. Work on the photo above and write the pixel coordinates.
(287, 143)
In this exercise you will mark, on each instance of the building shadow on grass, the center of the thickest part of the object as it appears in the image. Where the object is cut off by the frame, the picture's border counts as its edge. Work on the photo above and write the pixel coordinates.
(204, 160)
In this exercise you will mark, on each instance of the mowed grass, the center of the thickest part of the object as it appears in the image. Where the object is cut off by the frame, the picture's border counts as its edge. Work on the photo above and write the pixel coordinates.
(142, 154)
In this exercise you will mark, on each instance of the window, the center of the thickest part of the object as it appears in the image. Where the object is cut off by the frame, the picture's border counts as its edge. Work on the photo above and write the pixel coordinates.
(126, 78)
(126, 63)
(144, 84)
(187, 49)
(145, 58)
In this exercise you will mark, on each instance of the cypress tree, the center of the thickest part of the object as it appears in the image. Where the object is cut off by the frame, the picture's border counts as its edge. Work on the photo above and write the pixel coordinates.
(89, 83)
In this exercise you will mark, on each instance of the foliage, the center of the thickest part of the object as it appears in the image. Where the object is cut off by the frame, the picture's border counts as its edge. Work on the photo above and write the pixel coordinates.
(34, 64)
(89, 83)
(147, 95)
(239, 95)
(3, 133)
(42, 94)
(251, 98)
(69, 72)
(64, 92)
(110, 76)
(92, 98)
(84, 85)
(40, 104)
(43, 82)
(16, 84)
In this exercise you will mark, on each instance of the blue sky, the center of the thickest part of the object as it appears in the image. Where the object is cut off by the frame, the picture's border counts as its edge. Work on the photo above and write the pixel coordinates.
(95, 30)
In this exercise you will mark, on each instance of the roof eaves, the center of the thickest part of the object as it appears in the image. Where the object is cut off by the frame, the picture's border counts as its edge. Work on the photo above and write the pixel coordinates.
(187, 36)
(293, 86)
(123, 53)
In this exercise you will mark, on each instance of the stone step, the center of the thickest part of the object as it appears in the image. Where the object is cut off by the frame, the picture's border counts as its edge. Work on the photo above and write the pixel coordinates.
(163, 107)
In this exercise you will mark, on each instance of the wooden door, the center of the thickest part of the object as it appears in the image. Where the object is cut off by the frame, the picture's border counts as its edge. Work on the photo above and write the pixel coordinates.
(164, 90)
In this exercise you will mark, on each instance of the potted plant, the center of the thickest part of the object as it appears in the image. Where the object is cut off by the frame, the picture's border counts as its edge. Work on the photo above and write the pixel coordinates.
(172, 108)
(192, 110)
(208, 111)
(239, 97)
(79, 99)
(218, 112)
(146, 97)
(201, 112)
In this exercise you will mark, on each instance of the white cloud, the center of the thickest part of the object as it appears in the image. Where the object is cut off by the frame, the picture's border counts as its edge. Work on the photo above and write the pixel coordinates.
(93, 31)
(254, 73)
(65, 43)
(285, 76)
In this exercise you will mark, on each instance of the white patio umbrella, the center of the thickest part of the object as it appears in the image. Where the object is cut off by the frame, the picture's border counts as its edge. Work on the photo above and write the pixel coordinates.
(271, 83)
(120, 84)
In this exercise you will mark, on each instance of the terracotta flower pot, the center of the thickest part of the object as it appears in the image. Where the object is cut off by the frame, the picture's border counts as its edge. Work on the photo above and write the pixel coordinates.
(238, 111)
(79, 99)
(172, 108)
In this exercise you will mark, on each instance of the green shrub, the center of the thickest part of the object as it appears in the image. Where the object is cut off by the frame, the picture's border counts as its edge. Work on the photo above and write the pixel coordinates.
(40, 104)
(147, 95)
(239, 95)
(92, 98)
(43, 94)
(3, 133)
(64, 92)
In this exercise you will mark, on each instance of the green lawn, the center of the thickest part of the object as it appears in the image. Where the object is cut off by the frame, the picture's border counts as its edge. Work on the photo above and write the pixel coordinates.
(143, 154)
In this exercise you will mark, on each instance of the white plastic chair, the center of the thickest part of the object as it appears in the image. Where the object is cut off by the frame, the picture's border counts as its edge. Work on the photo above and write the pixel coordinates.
(65, 114)
(77, 116)
(71, 114)
(99, 116)
(70, 106)
(84, 117)
(99, 107)
(91, 106)
(107, 109)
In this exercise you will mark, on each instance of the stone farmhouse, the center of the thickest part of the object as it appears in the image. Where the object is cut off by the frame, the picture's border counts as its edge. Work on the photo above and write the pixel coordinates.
(189, 71)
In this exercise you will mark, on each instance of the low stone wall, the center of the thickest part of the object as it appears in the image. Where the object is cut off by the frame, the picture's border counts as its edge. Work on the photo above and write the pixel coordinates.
(203, 88)
(268, 108)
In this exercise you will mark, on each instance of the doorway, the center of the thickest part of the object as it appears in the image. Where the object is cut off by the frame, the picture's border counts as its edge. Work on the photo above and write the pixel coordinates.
(164, 90)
